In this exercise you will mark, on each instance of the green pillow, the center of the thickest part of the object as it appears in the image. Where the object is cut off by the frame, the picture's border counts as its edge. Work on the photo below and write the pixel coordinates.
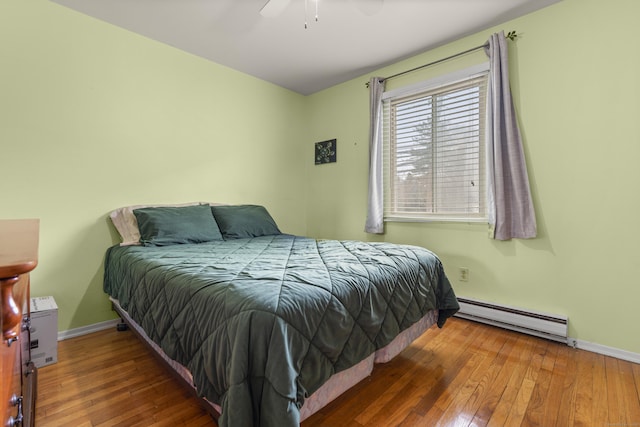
(244, 221)
(162, 226)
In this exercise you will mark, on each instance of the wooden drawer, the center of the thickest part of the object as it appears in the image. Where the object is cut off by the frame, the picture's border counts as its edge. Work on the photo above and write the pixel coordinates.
(12, 352)
(18, 256)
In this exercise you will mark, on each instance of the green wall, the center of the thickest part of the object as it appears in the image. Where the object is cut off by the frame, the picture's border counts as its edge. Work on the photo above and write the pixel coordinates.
(575, 69)
(93, 117)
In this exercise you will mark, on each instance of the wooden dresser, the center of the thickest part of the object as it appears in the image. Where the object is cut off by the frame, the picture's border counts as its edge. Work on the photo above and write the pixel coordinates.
(18, 256)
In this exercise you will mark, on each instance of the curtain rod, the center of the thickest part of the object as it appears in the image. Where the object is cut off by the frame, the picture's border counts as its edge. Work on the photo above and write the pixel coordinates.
(511, 35)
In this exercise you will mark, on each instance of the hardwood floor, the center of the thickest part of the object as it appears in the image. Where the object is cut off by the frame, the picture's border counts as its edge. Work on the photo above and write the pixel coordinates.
(466, 374)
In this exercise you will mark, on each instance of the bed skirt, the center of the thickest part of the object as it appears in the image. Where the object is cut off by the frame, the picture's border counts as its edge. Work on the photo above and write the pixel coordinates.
(335, 385)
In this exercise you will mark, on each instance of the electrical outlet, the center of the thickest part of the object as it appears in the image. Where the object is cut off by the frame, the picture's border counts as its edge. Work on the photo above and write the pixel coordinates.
(463, 274)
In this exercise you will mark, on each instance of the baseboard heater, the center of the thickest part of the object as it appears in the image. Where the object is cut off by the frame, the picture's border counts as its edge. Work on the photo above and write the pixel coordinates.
(542, 325)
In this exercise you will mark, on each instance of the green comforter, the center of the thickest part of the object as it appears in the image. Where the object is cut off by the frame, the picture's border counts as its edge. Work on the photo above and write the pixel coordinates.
(262, 323)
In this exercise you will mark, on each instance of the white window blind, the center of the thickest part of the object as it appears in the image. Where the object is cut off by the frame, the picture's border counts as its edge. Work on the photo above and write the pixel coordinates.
(434, 160)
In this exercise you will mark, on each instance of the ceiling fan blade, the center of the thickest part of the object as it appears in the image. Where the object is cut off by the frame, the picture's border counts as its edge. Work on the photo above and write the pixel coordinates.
(273, 8)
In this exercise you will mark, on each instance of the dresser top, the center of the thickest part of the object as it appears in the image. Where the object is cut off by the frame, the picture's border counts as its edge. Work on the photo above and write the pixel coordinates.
(18, 246)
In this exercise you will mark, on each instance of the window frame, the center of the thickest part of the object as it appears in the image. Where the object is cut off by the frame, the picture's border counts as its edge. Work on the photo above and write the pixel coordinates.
(430, 88)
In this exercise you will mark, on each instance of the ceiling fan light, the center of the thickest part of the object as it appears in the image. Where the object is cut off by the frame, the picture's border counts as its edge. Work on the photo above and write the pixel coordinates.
(273, 8)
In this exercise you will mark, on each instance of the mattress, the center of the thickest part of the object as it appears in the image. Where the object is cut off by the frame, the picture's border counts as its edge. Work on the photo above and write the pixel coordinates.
(262, 323)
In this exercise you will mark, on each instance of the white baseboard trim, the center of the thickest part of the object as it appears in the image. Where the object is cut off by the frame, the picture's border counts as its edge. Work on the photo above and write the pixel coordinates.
(582, 345)
(604, 350)
(84, 330)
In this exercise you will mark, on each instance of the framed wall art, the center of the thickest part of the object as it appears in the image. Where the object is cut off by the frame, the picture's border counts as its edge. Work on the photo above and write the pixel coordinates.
(326, 151)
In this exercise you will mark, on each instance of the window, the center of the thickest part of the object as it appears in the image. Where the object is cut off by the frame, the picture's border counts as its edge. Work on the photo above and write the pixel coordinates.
(434, 151)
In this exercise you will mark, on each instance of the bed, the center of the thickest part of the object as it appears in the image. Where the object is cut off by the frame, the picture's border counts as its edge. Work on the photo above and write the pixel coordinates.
(267, 327)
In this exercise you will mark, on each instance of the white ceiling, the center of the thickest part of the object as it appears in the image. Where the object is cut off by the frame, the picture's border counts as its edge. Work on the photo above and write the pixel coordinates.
(350, 39)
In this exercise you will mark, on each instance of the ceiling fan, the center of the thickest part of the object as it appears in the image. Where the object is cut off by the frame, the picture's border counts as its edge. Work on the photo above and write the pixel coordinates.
(273, 8)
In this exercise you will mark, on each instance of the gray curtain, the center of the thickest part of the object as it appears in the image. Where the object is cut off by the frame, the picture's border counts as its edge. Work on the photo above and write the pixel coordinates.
(511, 213)
(375, 210)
